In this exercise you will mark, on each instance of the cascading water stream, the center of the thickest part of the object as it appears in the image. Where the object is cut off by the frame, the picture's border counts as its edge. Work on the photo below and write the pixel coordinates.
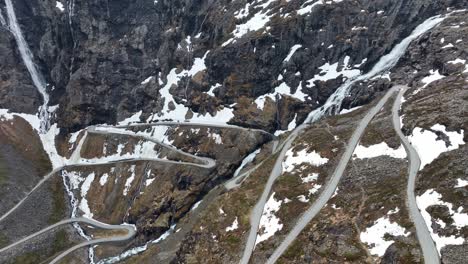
(2, 19)
(27, 56)
(384, 64)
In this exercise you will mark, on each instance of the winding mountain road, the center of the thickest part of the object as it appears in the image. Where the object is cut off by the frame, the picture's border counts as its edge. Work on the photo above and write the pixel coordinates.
(76, 161)
(331, 185)
(431, 256)
(131, 231)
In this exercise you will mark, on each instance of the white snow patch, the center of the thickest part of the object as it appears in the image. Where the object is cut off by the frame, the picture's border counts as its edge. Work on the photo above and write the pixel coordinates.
(345, 111)
(381, 149)
(310, 178)
(233, 226)
(303, 198)
(128, 182)
(149, 181)
(59, 5)
(282, 89)
(103, 179)
(269, 223)
(135, 118)
(461, 183)
(307, 7)
(456, 61)
(291, 160)
(429, 147)
(434, 76)
(216, 137)
(431, 197)
(330, 72)
(374, 235)
(450, 45)
(147, 80)
(84, 207)
(292, 51)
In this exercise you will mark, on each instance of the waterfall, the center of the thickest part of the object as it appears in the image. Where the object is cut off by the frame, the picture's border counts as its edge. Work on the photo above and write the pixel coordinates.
(2, 19)
(27, 57)
(384, 64)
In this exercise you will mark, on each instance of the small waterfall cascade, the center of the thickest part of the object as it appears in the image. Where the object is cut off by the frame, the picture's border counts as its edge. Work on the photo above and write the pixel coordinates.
(27, 56)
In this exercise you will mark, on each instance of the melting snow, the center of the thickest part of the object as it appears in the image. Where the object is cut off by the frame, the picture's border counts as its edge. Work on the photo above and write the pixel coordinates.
(306, 7)
(292, 51)
(461, 183)
(429, 147)
(103, 179)
(59, 5)
(269, 223)
(216, 137)
(434, 76)
(149, 181)
(129, 181)
(431, 197)
(302, 156)
(374, 236)
(450, 45)
(135, 118)
(84, 207)
(381, 149)
(310, 178)
(345, 111)
(330, 72)
(256, 22)
(179, 111)
(147, 80)
(234, 226)
(456, 61)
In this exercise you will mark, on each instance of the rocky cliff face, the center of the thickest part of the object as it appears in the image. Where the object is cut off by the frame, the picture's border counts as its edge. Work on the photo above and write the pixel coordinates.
(263, 65)
(96, 56)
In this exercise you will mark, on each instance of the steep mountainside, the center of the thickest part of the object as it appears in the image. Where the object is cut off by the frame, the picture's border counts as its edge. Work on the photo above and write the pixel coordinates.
(234, 131)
